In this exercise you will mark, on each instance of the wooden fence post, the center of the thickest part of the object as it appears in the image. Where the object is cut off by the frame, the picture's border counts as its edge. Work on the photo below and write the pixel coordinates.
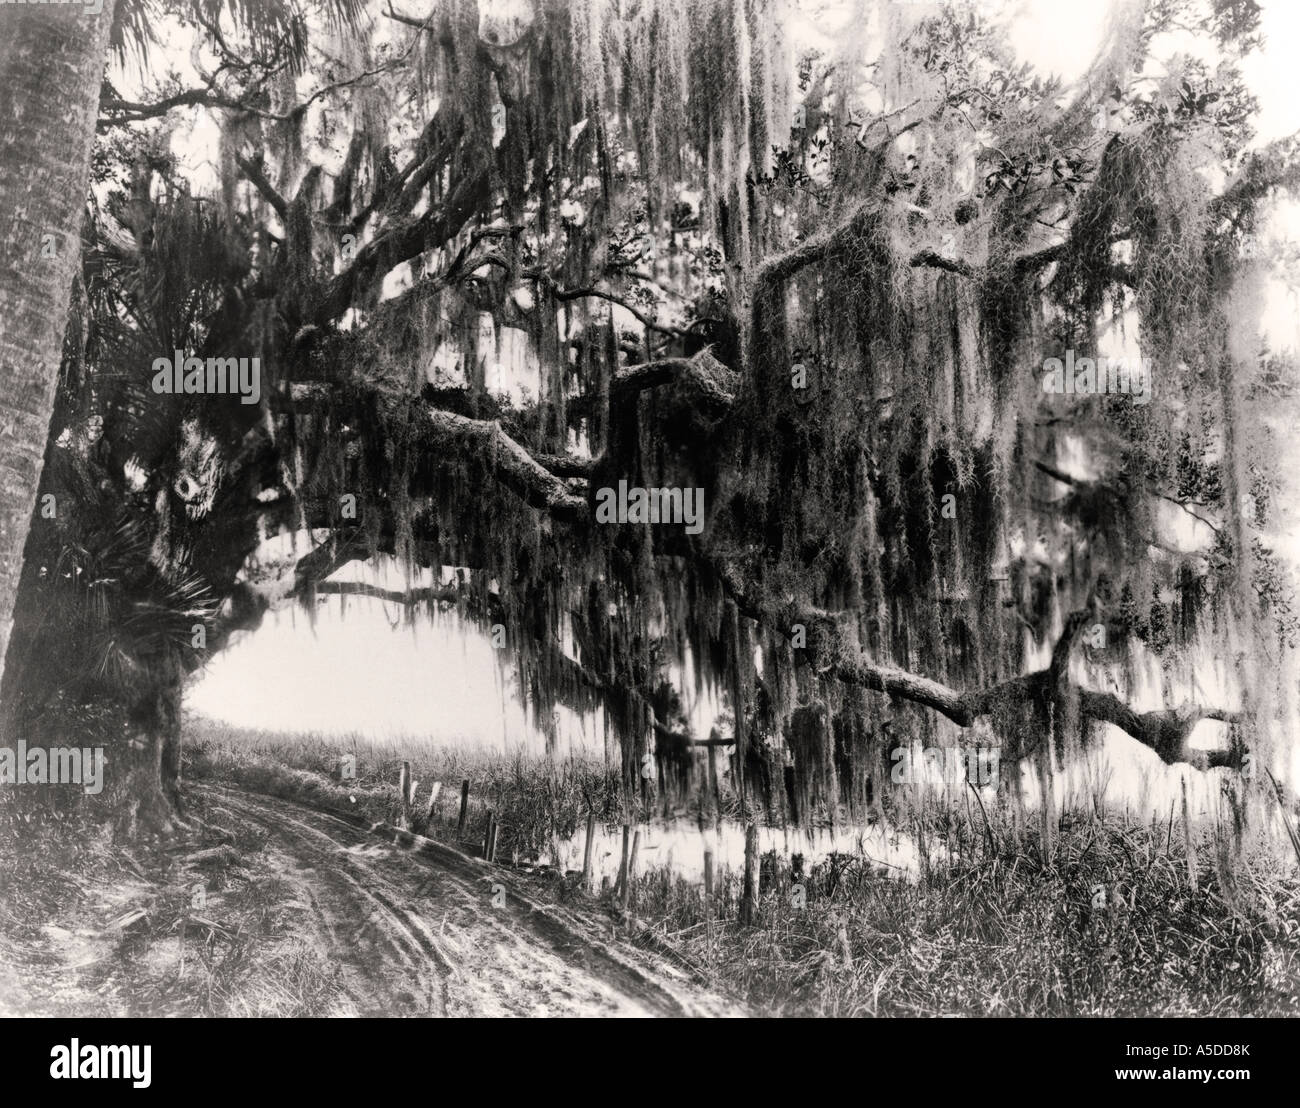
(433, 803)
(464, 808)
(749, 903)
(714, 791)
(586, 850)
(404, 787)
(487, 834)
(631, 869)
(708, 881)
(622, 866)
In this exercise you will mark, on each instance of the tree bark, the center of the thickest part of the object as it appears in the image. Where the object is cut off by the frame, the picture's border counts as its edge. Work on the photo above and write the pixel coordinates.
(51, 65)
(152, 798)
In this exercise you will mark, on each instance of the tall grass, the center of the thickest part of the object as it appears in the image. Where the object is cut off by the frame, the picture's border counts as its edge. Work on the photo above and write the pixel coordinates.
(1120, 918)
(536, 801)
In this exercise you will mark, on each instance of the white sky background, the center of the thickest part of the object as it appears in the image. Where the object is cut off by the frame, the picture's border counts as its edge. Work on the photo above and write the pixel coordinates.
(373, 673)
(363, 668)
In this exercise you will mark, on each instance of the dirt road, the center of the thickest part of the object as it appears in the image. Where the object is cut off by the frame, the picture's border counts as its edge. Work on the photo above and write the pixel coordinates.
(423, 930)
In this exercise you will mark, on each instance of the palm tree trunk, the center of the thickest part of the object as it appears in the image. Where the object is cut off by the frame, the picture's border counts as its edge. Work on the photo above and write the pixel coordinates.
(151, 798)
(51, 66)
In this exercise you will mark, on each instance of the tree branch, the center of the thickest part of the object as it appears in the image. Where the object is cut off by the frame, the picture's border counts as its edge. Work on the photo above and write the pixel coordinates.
(566, 465)
(138, 112)
(602, 294)
(406, 597)
(402, 243)
(515, 467)
(714, 382)
(253, 171)
(1014, 704)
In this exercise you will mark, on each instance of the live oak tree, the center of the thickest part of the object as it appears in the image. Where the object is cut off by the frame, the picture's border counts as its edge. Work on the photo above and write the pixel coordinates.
(820, 287)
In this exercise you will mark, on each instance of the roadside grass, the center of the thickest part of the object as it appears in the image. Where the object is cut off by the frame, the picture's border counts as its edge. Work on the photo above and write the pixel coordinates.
(534, 800)
(90, 926)
(1113, 923)
(1110, 927)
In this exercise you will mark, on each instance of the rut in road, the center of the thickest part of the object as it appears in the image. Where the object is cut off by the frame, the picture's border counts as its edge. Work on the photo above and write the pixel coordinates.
(420, 933)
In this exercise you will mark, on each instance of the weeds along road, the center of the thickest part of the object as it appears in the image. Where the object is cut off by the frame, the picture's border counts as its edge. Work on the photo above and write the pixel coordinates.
(432, 932)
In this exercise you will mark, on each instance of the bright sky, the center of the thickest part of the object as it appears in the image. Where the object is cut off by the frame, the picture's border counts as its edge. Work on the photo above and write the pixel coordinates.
(363, 668)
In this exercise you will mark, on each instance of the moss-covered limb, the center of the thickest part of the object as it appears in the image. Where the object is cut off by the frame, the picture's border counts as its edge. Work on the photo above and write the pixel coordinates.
(614, 298)
(446, 433)
(712, 381)
(471, 194)
(536, 475)
(648, 375)
(253, 170)
(932, 259)
(577, 684)
(1276, 166)
(459, 269)
(329, 557)
(820, 627)
(962, 708)
(437, 142)
(1012, 705)
(781, 267)
(1273, 168)
(1009, 704)
(247, 603)
(787, 264)
(712, 384)
(312, 570)
(579, 675)
(513, 465)
(1058, 669)
(406, 597)
(1040, 259)
(123, 112)
(1166, 732)
(537, 478)
(565, 465)
(399, 193)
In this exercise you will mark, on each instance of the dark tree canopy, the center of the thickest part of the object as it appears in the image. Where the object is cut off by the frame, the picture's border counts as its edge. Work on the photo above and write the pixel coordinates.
(821, 287)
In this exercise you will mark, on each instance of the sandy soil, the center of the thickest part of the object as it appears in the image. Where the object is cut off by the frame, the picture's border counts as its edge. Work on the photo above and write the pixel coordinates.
(432, 932)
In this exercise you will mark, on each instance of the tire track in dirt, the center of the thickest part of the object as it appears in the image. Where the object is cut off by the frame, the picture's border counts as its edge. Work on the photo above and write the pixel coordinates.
(360, 930)
(433, 932)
